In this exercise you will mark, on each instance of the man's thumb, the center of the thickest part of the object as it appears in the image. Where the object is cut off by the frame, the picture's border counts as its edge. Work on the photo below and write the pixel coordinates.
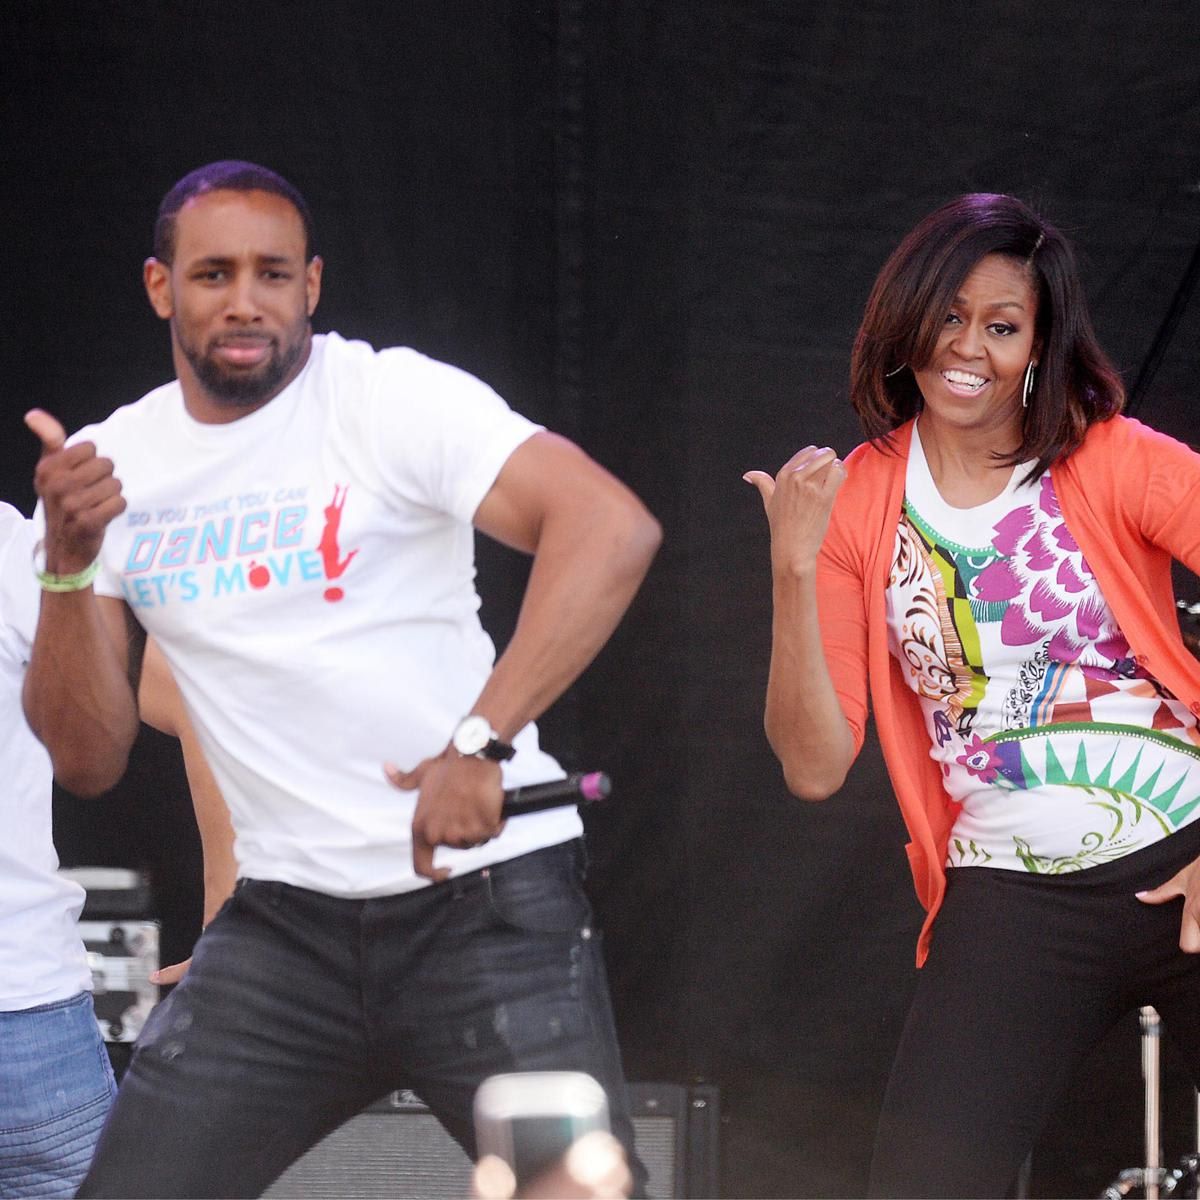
(47, 430)
(406, 781)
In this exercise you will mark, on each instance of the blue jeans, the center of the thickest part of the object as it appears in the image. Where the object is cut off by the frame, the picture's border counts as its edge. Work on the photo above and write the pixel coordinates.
(300, 1009)
(55, 1087)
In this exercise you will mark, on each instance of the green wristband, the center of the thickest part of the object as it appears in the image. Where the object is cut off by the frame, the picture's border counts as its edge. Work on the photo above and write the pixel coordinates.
(68, 583)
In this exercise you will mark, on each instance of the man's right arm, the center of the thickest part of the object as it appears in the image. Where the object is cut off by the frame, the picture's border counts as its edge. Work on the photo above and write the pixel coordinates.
(80, 686)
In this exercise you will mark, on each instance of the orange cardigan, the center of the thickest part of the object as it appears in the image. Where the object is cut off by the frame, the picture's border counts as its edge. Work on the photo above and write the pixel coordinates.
(1131, 498)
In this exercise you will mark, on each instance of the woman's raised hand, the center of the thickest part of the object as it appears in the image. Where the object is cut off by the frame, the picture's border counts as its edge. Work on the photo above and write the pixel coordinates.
(798, 502)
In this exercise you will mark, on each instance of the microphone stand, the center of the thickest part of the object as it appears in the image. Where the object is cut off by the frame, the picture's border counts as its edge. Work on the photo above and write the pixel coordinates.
(1153, 1180)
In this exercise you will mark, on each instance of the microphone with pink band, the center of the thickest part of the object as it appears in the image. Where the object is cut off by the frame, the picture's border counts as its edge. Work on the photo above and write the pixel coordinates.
(575, 789)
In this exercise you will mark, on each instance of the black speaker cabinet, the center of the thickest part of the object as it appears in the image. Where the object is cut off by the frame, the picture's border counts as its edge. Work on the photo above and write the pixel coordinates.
(396, 1150)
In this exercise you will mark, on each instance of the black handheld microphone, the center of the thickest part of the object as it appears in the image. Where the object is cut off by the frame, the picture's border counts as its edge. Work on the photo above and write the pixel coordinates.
(575, 789)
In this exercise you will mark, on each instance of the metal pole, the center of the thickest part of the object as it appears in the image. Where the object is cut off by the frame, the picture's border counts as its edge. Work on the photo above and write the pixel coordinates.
(1151, 1043)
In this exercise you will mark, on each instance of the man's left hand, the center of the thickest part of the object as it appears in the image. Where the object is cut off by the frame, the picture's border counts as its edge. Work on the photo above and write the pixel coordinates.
(1185, 883)
(458, 805)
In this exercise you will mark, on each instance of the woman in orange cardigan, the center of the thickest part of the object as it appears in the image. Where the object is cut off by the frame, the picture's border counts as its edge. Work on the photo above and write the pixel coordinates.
(991, 569)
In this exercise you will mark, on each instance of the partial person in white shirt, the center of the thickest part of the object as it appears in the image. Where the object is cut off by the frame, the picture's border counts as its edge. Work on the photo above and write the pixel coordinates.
(56, 1083)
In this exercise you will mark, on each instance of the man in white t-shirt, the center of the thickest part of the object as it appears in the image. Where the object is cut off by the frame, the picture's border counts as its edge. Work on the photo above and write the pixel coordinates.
(293, 520)
(55, 1080)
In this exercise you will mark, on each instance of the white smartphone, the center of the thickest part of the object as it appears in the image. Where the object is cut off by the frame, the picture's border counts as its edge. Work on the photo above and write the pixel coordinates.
(531, 1118)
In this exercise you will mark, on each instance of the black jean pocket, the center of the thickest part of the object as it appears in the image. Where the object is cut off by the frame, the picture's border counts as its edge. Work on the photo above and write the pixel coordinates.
(541, 892)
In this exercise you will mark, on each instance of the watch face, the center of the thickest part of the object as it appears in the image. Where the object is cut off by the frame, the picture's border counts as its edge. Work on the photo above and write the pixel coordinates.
(472, 735)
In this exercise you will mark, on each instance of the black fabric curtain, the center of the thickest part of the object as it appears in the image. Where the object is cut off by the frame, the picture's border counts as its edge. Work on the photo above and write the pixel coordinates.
(652, 227)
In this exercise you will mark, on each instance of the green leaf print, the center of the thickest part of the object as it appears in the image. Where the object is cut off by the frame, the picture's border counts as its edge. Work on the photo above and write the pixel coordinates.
(968, 854)
(1124, 811)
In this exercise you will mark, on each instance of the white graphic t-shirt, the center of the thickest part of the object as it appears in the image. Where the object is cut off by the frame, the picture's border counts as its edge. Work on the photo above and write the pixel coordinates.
(1061, 750)
(41, 957)
(309, 572)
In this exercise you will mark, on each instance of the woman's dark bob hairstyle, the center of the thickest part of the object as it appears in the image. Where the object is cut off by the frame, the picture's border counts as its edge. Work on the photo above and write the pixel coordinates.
(1075, 384)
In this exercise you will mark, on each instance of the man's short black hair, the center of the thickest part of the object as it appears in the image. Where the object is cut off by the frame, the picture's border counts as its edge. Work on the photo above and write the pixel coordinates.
(227, 175)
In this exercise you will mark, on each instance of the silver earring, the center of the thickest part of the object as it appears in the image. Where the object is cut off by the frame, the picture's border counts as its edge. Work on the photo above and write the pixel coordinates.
(1027, 389)
(895, 371)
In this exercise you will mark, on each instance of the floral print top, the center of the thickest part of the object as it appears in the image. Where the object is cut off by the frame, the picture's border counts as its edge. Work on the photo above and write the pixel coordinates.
(1060, 749)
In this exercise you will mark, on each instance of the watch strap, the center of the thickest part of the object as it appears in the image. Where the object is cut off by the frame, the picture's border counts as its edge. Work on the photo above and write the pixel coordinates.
(497, 751)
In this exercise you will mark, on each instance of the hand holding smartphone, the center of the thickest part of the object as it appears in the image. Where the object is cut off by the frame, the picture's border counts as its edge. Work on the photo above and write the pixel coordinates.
(531, 1119)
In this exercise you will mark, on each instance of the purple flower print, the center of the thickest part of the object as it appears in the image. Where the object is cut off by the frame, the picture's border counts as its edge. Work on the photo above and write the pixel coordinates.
(1068, 578)
(1089, 619)
(1062, 649)
(1017, 630)
(1038, 552)
(1048, 500)
(998, 581)
(980, 759)
(1040, 578)
(941, 727)
(1062, 535)
(1046, 604)
(1011, 529)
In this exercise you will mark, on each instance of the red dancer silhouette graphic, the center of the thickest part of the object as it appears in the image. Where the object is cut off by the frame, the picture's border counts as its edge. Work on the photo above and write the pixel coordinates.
(328, 545)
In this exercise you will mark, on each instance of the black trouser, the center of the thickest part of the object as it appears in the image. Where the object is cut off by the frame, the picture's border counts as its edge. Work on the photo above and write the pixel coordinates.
(1025, 975)
(300, 1008)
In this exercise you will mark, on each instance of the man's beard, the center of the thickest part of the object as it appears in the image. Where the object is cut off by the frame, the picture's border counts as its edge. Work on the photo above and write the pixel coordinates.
(245, 389)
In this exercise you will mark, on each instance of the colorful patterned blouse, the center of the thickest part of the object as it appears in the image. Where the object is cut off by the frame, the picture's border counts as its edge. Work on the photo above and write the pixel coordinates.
(1061, 750)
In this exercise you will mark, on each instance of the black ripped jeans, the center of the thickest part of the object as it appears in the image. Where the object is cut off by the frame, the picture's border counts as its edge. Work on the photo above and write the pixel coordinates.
(299, 1009)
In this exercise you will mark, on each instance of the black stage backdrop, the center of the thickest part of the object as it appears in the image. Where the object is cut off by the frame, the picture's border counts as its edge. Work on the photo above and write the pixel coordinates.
(652, 227)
